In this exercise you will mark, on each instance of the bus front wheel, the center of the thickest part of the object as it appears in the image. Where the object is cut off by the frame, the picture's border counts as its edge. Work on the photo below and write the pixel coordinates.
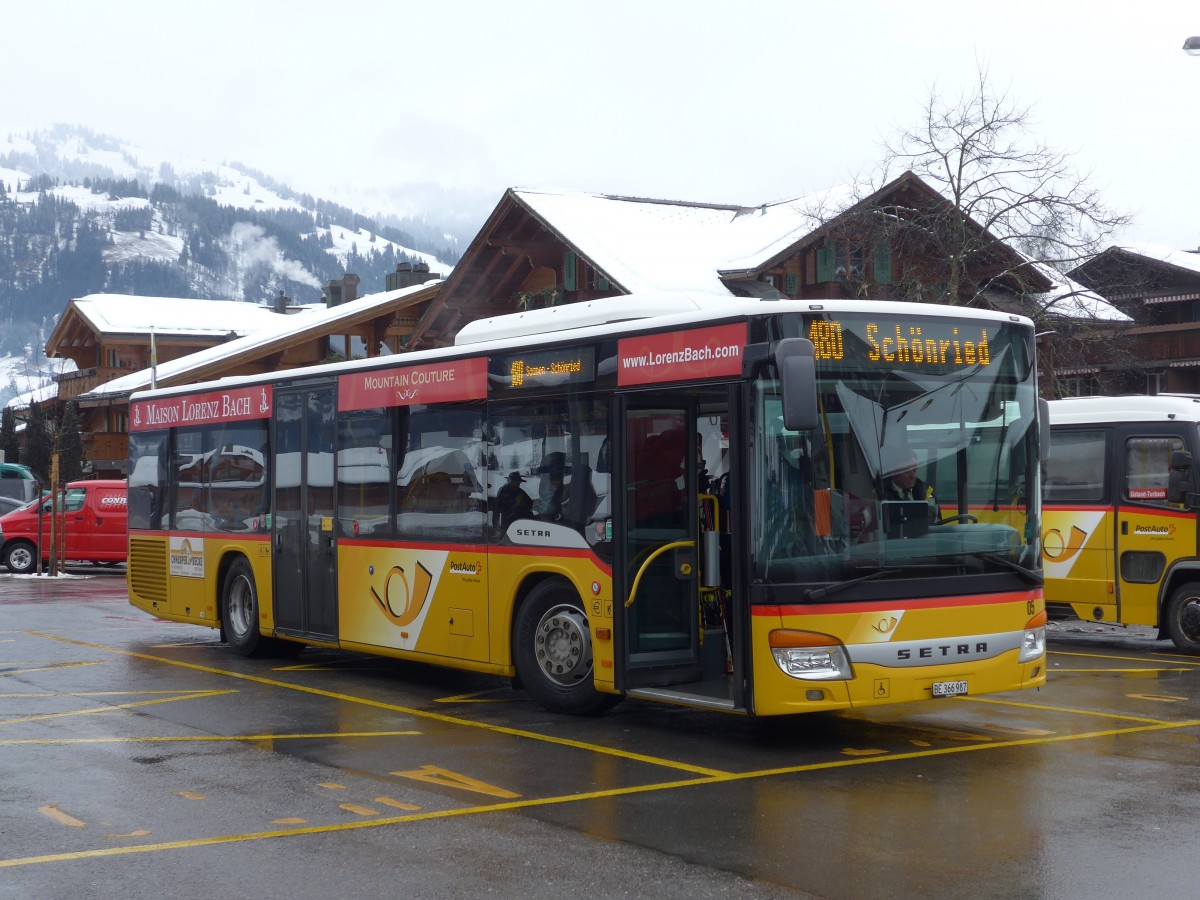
(1183, 617)
(552, 646)
(239, 610)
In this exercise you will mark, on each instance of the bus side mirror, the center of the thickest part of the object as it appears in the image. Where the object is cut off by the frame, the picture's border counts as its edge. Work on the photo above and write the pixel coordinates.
(1179, 479)
(1043, 430)
(795, 361)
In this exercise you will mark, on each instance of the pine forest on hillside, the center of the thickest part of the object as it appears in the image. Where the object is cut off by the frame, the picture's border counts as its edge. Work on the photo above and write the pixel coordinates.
(53, 251)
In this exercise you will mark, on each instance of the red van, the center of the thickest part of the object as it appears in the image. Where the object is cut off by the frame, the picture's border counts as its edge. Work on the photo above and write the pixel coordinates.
(94, 516)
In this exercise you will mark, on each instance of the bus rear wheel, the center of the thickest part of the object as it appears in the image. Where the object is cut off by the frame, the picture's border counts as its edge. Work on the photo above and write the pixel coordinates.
(552, 646)
(1183, 617)
(239, 610)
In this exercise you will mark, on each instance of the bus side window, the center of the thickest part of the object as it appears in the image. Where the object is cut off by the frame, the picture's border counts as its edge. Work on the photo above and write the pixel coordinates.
(1075, 470)
(1148, 468)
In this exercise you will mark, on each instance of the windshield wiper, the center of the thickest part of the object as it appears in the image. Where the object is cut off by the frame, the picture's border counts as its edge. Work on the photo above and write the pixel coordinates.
(818, 593)
(1031, 575)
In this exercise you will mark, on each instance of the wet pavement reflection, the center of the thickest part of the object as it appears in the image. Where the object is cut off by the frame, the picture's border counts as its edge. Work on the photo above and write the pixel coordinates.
(143, 750)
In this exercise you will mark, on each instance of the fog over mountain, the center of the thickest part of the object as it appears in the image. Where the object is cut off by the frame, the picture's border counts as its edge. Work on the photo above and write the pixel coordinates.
(84, 213)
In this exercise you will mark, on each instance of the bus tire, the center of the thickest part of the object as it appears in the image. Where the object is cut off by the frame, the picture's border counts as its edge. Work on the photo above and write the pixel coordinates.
(239, 610)
(552, 648)
(1183, 617)
(20, 558)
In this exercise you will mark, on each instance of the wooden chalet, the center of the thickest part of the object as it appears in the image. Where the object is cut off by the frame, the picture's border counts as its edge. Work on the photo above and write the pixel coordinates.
(541, 248)
(348, 326)
(1160, 289)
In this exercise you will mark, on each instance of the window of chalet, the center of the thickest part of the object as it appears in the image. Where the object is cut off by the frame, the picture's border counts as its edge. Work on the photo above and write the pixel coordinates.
(840, 261)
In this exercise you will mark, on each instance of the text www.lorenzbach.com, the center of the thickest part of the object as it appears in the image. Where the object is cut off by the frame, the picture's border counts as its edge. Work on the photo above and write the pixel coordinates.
(686, 355)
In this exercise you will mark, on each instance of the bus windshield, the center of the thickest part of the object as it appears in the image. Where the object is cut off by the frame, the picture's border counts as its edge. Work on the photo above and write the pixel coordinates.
(924, 460)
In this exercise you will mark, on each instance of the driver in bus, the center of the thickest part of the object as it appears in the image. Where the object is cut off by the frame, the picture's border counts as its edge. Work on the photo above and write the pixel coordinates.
(904, 483)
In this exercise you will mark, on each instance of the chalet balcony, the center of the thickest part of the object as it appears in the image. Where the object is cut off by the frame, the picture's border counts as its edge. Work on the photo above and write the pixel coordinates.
(105, 446)
(72, 384)
(1166, 344)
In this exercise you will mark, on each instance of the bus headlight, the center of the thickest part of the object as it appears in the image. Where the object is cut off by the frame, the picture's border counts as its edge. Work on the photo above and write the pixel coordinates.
(1033, 644)
(809, 655)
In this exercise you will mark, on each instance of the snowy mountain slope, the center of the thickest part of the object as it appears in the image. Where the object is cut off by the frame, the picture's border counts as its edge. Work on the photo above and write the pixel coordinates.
(82, 213)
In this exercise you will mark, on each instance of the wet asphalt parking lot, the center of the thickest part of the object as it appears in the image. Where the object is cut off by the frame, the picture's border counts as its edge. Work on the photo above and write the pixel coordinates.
(143, 759)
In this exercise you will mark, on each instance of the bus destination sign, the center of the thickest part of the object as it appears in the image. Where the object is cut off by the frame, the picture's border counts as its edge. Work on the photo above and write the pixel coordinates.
(891, 342)
(536, 369)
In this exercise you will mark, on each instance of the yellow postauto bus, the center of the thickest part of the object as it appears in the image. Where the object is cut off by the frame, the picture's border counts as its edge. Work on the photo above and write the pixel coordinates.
(1119, 539)
(677, 498)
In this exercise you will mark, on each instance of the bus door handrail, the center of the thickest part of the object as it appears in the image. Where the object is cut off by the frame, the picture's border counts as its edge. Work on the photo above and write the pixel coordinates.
(673, 545)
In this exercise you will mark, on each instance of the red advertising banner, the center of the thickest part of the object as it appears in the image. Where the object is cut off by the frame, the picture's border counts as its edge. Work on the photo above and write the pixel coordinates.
(232, 405)
(681, 355)
(444, 382)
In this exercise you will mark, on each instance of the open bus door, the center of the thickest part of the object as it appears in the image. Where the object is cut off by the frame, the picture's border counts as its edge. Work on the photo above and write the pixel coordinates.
(662, 547)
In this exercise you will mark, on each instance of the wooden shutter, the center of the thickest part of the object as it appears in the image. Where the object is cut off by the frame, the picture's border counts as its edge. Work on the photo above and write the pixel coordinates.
(883, 263)
(826, 259)
(569, 271)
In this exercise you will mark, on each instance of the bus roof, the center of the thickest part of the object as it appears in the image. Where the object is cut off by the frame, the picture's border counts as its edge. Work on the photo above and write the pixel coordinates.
(602, 318)
(1131, 408)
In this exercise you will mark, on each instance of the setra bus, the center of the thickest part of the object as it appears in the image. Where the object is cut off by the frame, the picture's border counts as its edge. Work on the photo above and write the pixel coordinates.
(681, 498)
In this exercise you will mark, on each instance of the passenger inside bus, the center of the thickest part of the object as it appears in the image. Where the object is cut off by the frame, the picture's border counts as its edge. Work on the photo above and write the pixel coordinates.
(660, 500)
(512, 502)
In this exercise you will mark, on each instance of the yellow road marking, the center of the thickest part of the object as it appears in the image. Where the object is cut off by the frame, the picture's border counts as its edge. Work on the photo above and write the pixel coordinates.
(1078, 712)
(190, 795)
(577, 798)
(1138, 659)
(472, 698)
(141, 832)
(331, 785)
(50, 668)
(1158, 698)
(167, 739)
(396, 804)
(446, 778)
(107, 709)
(1016, 729)
(359, 810)
(379, 704)
(289, 821)
(1120, 671)
(849, 751)
(305, 667)
(104, 693)
(53, 812)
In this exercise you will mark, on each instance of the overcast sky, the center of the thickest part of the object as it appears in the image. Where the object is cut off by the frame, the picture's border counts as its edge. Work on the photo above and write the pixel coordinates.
(738, 102)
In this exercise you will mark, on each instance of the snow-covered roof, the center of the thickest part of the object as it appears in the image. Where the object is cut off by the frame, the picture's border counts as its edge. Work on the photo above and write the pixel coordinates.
(1069, 299)
(662, 245)
(126, 314)
(37, 395)
(317, 319)
(658, 245)
(1181, 259)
